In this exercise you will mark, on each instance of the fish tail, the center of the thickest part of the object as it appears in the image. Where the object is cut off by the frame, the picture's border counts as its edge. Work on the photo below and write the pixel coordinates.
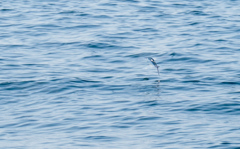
(158, 69)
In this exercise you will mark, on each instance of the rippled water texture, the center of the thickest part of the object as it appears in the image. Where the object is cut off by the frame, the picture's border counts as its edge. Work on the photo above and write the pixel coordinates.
(76, 74)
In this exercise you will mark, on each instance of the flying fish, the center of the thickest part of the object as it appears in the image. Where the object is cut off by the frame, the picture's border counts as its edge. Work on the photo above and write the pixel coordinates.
(154, 63)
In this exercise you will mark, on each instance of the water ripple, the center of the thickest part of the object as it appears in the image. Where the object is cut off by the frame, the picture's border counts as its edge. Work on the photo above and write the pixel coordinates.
(75, 74)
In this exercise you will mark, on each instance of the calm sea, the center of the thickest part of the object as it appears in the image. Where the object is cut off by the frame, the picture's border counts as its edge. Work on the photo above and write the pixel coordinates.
(76, 75)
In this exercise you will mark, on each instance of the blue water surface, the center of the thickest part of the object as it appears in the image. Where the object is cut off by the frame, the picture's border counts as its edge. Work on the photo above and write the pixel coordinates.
(76, 74)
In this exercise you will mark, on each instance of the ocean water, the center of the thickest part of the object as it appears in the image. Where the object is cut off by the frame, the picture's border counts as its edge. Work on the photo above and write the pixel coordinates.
(75, 74)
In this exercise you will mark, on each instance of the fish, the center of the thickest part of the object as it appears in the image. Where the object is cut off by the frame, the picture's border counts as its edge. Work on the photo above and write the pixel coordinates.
(154, 63)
